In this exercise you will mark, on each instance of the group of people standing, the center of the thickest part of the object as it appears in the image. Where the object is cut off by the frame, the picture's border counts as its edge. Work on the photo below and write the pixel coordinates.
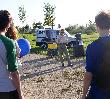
(96, 78)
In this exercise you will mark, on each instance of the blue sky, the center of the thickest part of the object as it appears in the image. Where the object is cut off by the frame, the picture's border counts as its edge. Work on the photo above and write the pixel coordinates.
(67, 12)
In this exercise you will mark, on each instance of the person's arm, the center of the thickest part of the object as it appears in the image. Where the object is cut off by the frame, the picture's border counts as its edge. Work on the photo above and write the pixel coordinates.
(86, 83)
(18, 50)
(16, 81)
(89, 70)
(13, 66)
(67, 39)
(58, 39)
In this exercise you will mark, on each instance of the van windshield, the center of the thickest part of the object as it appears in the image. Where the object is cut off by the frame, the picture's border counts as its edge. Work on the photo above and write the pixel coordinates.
(51, 32)
(67, 33)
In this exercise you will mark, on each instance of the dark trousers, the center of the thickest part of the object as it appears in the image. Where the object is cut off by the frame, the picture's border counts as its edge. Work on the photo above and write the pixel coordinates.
(9, 95)
(63, 50)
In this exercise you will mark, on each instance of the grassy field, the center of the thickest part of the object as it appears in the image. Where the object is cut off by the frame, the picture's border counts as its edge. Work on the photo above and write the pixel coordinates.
(32, 40)
(87, 39)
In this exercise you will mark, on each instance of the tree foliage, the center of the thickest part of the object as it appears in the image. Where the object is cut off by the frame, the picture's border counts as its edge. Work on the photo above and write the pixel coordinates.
(22, 14)
(89, 28)
(37, 25)
(49, 15)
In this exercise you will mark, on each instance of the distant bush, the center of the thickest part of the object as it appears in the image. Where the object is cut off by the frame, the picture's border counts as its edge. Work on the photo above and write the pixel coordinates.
(88, 29)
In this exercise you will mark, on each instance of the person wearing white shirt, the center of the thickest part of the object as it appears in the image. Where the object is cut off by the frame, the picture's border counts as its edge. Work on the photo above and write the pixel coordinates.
(62, 48)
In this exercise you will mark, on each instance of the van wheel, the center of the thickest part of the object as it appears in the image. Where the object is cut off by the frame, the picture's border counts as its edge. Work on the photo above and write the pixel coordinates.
(44, 45)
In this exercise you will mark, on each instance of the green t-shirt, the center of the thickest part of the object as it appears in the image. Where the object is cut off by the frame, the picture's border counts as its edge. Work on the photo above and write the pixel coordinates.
(10, 53)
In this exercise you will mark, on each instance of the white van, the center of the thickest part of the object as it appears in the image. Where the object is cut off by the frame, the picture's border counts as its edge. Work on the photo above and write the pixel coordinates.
(43, 36)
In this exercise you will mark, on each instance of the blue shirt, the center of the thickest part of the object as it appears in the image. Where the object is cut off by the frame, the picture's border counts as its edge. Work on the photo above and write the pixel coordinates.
(94, 55)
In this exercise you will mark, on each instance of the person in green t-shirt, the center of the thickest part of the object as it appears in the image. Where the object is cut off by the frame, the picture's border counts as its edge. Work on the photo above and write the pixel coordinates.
(10, 86)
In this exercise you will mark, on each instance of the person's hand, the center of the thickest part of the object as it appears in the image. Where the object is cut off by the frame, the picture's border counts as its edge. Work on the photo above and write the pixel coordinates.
(21, 97)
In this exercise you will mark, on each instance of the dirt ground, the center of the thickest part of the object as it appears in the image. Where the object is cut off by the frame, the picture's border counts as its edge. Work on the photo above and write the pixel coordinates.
(44, 78)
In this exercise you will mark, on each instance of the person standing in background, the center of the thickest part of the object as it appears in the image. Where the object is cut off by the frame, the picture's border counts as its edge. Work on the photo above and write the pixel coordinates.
(10, 86)
(62, 48)
(12, 33)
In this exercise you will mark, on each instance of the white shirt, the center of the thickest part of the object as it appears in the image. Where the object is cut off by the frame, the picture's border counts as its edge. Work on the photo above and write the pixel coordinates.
(62, 39)
(6, 84)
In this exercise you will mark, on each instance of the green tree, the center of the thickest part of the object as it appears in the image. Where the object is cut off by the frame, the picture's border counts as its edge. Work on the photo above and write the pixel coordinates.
(26, 28)
(37, 25)
(90, 27)
(49, 15)
(22, 14)
(73, 29)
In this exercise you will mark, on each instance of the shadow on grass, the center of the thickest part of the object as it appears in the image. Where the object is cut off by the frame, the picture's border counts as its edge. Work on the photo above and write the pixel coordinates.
(42, 61)
(42, 72)
(38, 50)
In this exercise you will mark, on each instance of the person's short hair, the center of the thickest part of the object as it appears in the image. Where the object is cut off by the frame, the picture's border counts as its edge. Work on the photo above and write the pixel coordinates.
(102, 20)
(62, 30)
(5, 19)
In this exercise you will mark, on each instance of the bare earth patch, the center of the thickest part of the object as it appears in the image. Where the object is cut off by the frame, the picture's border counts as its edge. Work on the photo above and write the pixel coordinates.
(44, 78)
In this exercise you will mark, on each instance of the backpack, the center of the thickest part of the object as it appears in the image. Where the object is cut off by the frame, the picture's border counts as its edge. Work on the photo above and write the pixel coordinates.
(102, 77)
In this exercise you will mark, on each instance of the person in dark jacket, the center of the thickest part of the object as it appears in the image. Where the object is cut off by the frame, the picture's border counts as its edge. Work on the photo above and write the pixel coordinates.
(97, 75)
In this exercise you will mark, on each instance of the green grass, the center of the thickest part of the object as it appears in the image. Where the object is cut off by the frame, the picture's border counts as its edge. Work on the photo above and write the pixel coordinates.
(87, 39)
(32, 39)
